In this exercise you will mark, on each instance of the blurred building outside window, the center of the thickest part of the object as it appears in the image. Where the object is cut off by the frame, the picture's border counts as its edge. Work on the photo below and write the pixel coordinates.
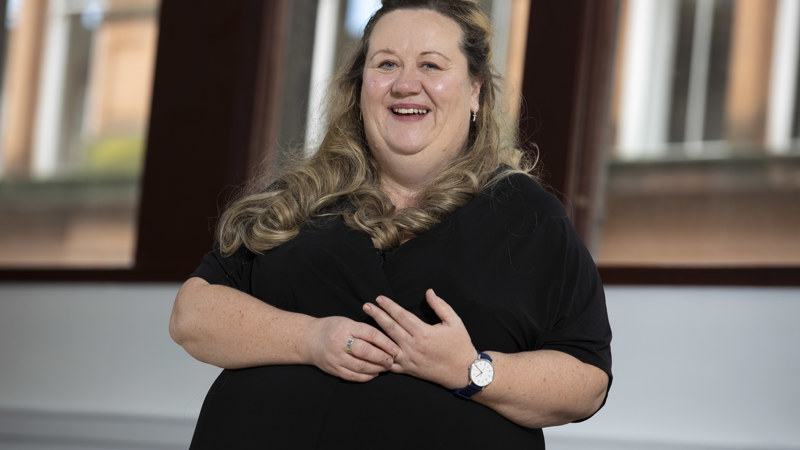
(74, 105)
(704, 163)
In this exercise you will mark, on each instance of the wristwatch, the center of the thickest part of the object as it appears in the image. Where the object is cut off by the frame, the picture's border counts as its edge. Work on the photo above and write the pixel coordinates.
(481, 373)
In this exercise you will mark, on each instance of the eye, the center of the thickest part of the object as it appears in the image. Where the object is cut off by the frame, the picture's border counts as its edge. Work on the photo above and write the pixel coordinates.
(430, 66)
(387, 65)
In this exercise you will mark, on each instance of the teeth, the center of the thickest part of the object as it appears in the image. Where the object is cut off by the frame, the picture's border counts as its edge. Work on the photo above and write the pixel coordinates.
(409, 111)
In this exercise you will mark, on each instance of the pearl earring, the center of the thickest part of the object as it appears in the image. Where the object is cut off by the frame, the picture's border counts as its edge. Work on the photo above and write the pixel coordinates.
(474, 115)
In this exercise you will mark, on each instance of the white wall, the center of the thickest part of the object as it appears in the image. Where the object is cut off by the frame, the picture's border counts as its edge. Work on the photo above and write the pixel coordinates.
(705, 367)
(82, 361)
(694, 368)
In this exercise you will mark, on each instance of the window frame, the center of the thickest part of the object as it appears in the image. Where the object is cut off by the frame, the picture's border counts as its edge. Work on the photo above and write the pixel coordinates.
(214, 112)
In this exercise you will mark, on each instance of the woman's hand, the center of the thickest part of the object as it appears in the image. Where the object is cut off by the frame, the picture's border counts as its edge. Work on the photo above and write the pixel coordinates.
(532, 388)
(351, 350)
(440, 353)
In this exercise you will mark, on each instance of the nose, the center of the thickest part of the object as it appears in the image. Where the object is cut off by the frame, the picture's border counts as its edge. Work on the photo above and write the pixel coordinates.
(406, 83)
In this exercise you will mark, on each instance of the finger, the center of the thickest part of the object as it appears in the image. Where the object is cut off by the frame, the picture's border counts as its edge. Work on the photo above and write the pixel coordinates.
(349, 375)
(388, 323)
(358, 365)
(379, 340)
(406, 320)
(443, 310)
(369, 358)
(397, 368)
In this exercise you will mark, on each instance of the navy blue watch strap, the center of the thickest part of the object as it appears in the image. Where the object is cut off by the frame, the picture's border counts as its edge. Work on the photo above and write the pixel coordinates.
(471, 389)
(482, 355)
(467, 392)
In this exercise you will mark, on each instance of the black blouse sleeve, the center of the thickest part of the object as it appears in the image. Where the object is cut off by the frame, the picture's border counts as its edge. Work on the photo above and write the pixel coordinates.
(568, 304)
(577, 322)
(233, 271)
(579, 325)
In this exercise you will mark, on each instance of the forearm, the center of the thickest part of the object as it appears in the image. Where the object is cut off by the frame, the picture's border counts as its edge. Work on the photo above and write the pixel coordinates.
(230, 329)
(535, 389)
(543, 388)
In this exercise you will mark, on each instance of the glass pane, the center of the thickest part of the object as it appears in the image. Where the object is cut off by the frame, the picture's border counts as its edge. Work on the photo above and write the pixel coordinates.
(704, 167)
(76, 84)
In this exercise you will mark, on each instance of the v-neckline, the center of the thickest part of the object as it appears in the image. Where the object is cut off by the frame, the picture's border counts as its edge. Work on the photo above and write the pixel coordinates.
(387, 255)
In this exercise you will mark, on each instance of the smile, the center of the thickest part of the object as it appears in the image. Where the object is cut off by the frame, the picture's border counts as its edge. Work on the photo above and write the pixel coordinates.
(409, 111)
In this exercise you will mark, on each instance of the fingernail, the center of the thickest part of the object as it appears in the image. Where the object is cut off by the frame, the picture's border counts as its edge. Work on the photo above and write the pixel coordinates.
(379, 300)
(367, 307)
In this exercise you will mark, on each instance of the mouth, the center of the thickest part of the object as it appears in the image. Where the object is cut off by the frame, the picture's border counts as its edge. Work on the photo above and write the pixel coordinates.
(409, 111)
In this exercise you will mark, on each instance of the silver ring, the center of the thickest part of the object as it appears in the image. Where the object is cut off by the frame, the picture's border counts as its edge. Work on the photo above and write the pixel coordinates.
(347, 347)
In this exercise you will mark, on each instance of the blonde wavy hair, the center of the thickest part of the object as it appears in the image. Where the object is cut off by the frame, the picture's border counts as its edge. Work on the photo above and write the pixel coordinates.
(343, 178)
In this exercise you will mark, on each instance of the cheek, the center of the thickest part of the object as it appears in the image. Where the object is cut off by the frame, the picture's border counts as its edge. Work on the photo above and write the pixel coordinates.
(373, 89)
(365, 93)
(441, 88)
(455, 93)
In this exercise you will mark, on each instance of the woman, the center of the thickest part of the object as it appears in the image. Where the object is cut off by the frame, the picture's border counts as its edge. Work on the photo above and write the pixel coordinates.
(488, 321)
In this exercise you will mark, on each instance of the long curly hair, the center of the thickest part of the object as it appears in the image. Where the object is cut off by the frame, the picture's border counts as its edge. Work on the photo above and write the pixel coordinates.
(342, 177)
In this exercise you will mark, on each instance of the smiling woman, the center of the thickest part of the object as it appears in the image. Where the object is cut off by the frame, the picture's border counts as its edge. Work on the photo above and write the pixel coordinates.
(480, 284)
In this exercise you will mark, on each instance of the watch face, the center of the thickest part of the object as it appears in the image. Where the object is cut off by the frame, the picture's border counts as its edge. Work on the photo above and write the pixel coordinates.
(481, 372)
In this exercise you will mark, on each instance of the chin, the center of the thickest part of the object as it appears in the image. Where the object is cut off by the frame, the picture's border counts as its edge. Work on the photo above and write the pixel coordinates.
(405, 148)
(407, 151)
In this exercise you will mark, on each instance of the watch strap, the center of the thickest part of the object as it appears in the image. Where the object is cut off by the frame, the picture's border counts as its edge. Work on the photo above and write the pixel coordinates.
(471, 389)
(467, 392)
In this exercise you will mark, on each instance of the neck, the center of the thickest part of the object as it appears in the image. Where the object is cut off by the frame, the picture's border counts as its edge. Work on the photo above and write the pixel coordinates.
(405, 180)
(402, 196)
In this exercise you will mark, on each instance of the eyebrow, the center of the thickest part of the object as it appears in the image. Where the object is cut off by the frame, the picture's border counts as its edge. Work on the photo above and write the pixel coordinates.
(392, 52)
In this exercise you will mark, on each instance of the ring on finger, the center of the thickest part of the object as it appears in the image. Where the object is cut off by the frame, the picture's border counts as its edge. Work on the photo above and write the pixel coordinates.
(348, 348)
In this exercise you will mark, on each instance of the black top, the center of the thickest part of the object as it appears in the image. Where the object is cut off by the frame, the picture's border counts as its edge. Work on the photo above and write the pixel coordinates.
(508, 262)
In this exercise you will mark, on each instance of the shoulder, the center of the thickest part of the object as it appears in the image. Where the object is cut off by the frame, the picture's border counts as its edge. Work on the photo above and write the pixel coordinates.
(230, 270)
(518, 191)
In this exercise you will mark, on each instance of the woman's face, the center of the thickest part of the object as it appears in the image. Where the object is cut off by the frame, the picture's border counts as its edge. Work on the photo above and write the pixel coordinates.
(417, 95)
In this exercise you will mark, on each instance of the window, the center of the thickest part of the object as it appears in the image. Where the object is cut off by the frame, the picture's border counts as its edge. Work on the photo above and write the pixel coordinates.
(216, 111)
(704, 165)
(576, 116)
(76, 83)
(210, 110)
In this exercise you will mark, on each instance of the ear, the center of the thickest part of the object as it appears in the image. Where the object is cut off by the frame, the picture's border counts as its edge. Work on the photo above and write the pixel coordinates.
(475, 96)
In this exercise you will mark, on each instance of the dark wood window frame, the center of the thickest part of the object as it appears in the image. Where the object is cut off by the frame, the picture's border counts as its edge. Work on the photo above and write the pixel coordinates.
(214, 108)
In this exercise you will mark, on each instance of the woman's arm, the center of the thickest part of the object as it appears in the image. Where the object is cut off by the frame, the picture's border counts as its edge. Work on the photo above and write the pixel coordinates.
(543, 388)
(228, 328)
(535, 389)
